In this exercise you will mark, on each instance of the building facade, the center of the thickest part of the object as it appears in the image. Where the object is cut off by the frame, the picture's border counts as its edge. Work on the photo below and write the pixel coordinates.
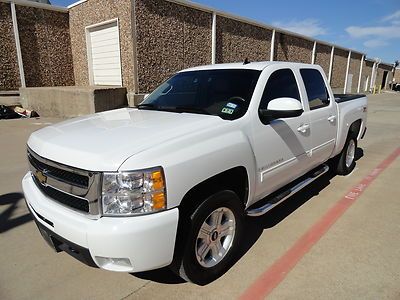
(140, 43)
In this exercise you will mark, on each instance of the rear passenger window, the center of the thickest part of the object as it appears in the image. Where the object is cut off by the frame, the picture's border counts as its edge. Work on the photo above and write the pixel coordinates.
(315, 87)
(281, 83)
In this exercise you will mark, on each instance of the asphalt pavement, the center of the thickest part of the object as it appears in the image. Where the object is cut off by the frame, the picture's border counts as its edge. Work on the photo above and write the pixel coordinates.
(316, 245)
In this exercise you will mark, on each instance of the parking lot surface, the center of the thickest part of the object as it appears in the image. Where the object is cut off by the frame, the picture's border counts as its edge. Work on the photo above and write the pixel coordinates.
(355, 254)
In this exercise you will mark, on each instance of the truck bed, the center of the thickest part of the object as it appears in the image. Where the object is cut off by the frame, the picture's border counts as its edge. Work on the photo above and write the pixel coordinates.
(339, 98)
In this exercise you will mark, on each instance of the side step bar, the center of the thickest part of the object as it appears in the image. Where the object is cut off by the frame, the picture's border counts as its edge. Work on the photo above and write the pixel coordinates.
(258, 211)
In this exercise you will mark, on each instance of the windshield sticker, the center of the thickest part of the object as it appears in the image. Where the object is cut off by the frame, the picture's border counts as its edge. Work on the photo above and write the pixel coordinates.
(231, 105)
(227, 110)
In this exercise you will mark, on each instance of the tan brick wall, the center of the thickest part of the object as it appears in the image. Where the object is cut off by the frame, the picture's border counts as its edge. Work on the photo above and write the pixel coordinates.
(379, 78)
(170, 37)
(291, 48)
(97, 11)
(323, 57)
(9, 73)
(237, 41)
(45, 47)
(397, 75)
(354, 68)
(339, 69)
(366, 75)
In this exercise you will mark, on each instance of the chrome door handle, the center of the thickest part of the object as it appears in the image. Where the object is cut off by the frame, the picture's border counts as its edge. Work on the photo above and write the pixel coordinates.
(332, 119)
(303, 128)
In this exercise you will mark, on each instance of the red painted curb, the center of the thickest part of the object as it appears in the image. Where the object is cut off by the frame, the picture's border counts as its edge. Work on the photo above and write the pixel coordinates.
(271, 278)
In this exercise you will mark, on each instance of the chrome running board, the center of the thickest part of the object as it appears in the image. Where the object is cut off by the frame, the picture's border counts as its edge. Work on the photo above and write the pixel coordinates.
(258, 211)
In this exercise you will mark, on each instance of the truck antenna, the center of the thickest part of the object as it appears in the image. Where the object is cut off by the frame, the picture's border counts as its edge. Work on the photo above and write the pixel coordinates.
(246, 61)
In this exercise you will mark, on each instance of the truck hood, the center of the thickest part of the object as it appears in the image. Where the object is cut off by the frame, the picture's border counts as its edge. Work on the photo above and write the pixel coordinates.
(103, 141)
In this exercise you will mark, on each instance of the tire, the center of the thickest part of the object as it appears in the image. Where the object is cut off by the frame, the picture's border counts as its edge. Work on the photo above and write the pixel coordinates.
(345, 161)
(213, 238)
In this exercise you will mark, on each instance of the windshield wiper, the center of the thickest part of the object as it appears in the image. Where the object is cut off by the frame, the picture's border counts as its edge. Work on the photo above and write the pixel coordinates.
(178, 109)
(191, 109)
(146, 105)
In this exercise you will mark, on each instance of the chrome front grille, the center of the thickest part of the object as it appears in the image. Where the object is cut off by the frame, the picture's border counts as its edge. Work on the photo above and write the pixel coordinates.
(75, 188)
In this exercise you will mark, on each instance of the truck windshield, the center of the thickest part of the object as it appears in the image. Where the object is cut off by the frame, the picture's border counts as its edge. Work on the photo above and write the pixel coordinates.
(223, 93)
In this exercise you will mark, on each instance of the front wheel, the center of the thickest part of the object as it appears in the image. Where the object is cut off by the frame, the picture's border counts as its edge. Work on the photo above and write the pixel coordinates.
(213, 239)
(346, 160)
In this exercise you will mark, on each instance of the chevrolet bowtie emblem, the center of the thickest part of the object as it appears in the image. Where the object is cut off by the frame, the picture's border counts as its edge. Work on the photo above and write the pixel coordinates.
(41, 177)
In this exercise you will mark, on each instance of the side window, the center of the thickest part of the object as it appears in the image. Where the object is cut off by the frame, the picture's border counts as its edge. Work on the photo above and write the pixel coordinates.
(281, 83)
(315, 87)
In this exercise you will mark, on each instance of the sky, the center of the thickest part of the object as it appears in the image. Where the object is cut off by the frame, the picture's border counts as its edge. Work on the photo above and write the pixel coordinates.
(368, 26)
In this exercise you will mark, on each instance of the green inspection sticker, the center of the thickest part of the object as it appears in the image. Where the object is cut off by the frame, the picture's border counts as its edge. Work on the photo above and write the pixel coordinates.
(227, 110)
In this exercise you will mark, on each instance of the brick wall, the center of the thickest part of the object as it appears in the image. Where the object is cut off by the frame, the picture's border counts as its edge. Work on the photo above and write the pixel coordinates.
(339, 69)
(323, 57)
(292, 48)
(397, 75)
(382, 68)
(45, 47)
(170, 37)
(9, 73)
(354, 68)
(366, 75)
(237, 41)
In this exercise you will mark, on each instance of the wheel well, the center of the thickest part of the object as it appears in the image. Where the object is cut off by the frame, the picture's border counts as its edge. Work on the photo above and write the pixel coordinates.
(355, 128)
(234, 179)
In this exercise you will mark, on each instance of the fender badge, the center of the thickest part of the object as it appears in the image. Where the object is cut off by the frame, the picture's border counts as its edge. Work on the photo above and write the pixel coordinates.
(41, 177)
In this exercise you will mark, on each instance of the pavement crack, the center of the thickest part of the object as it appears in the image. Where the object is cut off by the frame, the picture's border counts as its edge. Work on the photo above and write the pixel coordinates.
(137, 290)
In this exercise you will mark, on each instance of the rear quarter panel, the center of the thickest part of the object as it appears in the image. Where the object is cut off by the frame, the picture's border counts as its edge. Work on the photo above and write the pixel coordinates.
(348, 113)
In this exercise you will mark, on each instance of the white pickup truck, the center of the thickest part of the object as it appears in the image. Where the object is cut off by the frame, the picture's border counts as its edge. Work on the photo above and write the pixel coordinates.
(171, 181)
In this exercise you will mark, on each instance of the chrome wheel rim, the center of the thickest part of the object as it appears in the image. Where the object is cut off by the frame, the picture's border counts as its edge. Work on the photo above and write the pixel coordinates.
(351, 149)
(215, 237)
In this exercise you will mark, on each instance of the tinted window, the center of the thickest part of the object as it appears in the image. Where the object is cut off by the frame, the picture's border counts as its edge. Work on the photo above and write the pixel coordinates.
(315, 87)
(281, 83)
(225, 93)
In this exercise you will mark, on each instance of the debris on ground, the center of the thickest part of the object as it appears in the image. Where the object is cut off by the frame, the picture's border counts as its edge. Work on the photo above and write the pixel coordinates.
(16, 112)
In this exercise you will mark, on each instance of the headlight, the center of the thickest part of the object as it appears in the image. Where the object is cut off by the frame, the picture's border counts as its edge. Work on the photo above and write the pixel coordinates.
(131, 193)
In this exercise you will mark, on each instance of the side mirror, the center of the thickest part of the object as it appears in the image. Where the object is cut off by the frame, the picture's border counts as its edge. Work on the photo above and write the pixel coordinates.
(282, 108)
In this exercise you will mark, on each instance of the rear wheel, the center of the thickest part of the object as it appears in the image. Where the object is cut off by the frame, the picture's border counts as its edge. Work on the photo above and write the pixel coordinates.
(213, 238)
(345, 162)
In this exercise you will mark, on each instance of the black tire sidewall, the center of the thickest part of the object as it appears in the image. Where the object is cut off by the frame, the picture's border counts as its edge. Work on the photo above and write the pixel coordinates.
(193, 271)
(342, 168)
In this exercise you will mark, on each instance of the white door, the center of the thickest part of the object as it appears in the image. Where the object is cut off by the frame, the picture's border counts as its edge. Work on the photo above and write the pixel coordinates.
(323, 116)
(280, 145)
(104, 54)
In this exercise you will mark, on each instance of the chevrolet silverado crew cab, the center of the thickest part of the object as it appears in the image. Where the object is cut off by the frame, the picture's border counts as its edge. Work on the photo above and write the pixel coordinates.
(171, 181)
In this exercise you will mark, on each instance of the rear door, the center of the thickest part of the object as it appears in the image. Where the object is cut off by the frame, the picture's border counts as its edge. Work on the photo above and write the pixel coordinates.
(280, 145)
(323, 115)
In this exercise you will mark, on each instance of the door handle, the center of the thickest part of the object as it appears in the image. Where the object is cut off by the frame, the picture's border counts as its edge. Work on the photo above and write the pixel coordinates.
(303, 128)
(331, 119)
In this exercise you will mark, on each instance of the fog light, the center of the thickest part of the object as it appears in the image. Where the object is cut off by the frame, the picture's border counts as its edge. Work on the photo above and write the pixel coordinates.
(114, 263)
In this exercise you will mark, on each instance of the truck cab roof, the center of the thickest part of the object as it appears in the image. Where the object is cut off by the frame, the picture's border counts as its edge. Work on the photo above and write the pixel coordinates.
(258, 65)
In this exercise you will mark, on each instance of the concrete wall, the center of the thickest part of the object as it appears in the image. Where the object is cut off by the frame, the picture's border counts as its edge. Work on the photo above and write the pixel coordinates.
(170, 37)
(292, 48)
(93, 12)
(45, 47)
(339, 70)
(71, 101)
(9, 73)
(323, 57)
(237, 41)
